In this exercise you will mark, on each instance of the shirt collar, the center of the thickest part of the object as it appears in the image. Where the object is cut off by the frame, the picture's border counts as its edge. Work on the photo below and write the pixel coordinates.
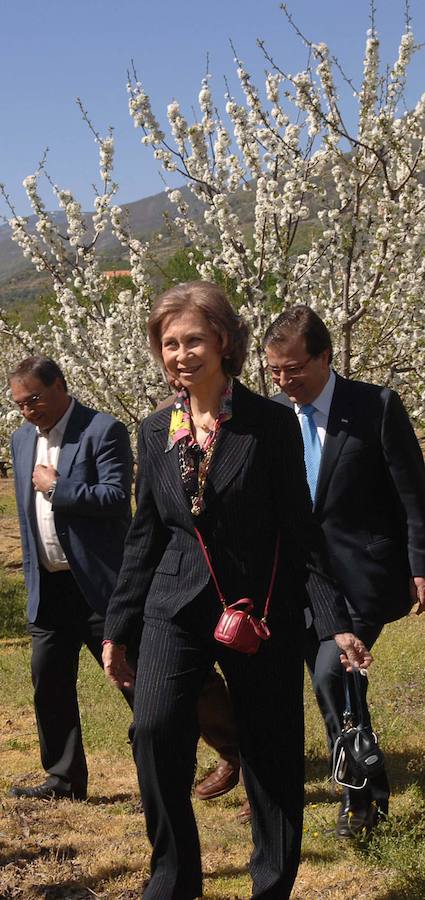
(323, 402)
(57, 432)
(180, 415)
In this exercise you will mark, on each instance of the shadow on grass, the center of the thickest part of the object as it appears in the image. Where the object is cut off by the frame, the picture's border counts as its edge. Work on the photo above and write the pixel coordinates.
(226, 872)
(86, 886)
(318, 771)
(17, 857)
(329, 854)
(326, 793)
(111, 798)
(405, 769)
(414, 889)
(72, 891)
(316, 768)
(222, 896)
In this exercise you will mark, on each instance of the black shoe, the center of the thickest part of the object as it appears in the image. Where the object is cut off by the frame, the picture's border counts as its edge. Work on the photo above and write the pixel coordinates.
(353, 823)
(45, 792)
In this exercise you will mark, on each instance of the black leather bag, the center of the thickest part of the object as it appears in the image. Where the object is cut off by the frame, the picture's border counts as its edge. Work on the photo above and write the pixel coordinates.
(356, 755)
(237, 627)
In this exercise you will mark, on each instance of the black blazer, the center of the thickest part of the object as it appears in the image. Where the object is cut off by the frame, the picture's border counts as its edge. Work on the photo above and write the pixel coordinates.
(370, 499)
(256, 486)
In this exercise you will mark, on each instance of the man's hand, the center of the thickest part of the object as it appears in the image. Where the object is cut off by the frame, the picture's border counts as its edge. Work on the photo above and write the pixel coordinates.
(116, 667)
(417, 593)
(43, 478)
(354, 653)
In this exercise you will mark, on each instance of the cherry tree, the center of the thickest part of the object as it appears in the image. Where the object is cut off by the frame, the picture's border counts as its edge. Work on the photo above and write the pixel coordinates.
(355, 196)
(364, 271)
(97, 336)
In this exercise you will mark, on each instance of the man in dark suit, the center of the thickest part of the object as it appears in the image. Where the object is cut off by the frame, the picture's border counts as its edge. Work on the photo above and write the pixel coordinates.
(367, 479)
(73, 470)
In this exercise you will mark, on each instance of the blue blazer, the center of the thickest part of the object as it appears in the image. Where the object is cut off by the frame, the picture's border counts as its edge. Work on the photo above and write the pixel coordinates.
(91, 503)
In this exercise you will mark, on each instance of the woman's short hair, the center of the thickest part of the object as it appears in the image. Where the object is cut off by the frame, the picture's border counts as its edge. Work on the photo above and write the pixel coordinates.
(42, 367)
(208, 299)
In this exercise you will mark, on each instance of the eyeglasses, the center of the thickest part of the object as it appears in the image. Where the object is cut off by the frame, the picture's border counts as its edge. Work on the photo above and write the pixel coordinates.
(289, 371)
(29, 402)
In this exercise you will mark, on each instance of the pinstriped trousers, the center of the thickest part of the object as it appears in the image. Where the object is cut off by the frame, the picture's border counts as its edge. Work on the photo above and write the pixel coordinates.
(266, 691)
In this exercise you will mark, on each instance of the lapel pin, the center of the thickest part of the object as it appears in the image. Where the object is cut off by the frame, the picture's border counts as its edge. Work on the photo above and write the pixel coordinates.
(345, 421)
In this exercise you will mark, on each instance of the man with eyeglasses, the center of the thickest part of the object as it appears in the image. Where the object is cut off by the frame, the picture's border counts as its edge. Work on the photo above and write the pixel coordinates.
(73, 471)
(367, 481)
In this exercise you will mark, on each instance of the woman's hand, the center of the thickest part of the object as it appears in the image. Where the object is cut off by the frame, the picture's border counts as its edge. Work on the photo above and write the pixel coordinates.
(355, 654)
(116, 667)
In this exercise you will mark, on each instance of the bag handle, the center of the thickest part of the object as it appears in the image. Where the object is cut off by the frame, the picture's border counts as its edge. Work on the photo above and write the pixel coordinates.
(272, 579)
(360, 711)
(217, 586)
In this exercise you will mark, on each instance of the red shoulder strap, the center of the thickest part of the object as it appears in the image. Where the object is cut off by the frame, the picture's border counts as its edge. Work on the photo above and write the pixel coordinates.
(217, 586)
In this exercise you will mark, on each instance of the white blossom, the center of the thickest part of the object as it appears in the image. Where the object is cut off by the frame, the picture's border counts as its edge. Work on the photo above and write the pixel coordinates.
(354, 200)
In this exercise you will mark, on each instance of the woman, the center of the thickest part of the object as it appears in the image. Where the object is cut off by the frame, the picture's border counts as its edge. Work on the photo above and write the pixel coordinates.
(229, 463)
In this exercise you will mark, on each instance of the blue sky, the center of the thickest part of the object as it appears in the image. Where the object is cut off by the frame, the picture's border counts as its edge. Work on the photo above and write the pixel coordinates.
(52, 52)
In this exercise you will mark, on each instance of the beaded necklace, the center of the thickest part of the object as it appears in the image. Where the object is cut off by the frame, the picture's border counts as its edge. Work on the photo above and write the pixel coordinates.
(188, 469)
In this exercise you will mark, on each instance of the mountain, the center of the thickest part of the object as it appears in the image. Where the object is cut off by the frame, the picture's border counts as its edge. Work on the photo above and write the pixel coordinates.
(19, 281)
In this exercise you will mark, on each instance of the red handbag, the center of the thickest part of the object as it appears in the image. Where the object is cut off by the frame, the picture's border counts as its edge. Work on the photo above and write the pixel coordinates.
(236, 627)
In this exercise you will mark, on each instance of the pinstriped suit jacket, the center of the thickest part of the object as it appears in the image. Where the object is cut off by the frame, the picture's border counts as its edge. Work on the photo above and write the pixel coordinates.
(256, 486)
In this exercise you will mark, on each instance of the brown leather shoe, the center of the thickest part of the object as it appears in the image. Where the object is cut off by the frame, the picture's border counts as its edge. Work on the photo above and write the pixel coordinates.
(244, 814)
(224, 777)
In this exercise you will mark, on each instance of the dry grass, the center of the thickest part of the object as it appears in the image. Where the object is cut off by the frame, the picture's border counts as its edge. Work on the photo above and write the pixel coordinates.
(98, 849)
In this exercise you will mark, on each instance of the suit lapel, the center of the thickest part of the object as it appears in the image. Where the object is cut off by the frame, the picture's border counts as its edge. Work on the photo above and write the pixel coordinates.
(340, 415)
(233, 443)
(167, 466)
(71, 439)
(28, 462)
(229, 455)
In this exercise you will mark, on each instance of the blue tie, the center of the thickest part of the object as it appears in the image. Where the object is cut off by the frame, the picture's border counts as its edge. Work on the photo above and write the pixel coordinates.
(312, 447)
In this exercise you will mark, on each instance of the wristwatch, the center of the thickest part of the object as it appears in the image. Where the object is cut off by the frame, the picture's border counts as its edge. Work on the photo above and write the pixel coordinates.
(52, 489)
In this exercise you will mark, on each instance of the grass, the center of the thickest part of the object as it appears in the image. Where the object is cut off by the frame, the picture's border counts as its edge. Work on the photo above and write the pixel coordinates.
(12, 605)
(7, 499)
(100, 848)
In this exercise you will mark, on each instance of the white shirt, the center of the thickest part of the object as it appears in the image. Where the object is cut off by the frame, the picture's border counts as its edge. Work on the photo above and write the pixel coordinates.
(49, 444)
(322, 405)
